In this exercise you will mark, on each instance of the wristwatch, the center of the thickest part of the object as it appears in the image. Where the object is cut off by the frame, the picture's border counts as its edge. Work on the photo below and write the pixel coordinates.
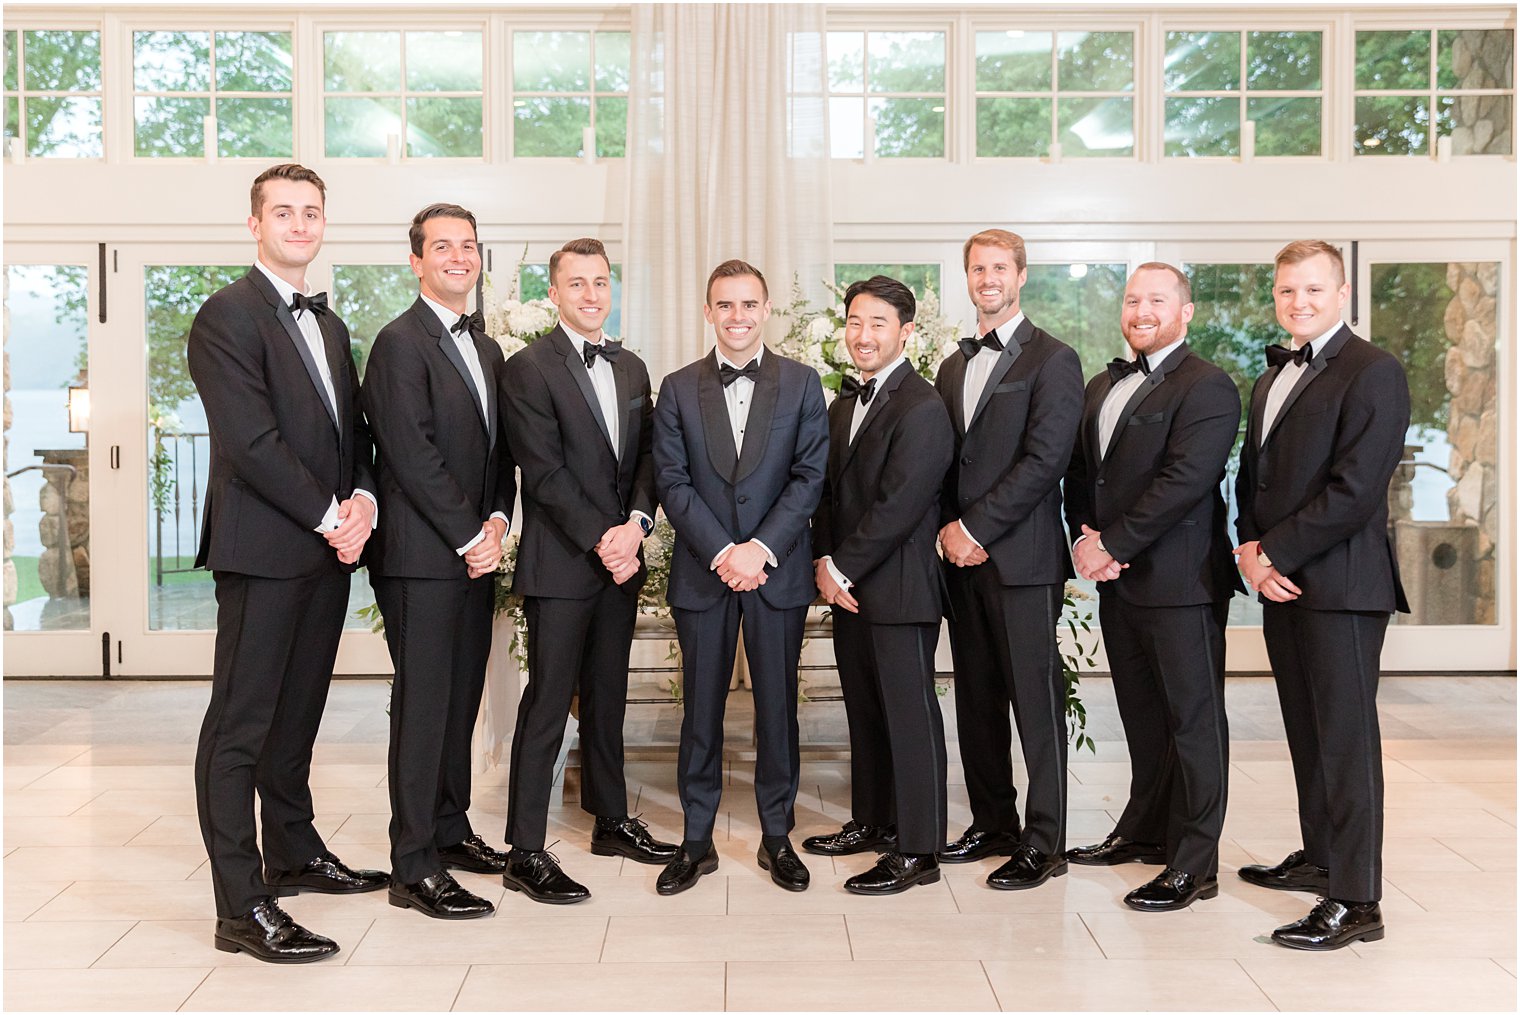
(1261, 557)
(646, 523)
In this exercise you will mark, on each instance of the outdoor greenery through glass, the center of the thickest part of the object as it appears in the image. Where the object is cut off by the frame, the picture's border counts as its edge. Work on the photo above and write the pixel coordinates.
(918, 277)
(897, 80)
(1414, 86)
(1036, 87)
(564, 82)
(52, 86)
(426, 88)
(1215, 81)
(250, 91)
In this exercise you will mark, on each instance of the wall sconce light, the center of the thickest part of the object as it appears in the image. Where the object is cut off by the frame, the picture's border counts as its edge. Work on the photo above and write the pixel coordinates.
(79, 410)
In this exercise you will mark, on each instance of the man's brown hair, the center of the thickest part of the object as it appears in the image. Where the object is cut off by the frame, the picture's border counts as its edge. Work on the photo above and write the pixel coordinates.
(734, 268)
(995, 238)
(586, 246)
(434, 211)
(1184, 287)
(283, 171)
(1302, 250)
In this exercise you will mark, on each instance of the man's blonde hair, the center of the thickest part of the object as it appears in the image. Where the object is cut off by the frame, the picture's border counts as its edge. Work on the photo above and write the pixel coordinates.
(1302, 250)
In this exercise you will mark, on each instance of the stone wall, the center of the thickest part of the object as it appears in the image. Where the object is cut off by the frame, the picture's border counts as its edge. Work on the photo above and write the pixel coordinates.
(1481, 124)
(1473, 428)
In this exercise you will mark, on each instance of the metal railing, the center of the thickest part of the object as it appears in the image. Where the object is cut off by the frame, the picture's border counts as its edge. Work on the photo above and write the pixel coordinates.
(176, 458)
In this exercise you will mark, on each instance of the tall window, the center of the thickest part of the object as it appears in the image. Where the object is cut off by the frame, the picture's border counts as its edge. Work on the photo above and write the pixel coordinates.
(422, 87)
(1462, 80)
(564, 83)
(1217, 81)
(179, 78)
(890, 87)
(1071, 88)
(918, 277)
(52, 92)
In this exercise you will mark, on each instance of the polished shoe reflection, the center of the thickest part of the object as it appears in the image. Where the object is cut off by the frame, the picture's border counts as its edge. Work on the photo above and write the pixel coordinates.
(629, 837)
(1294, 874)
(536, 874)
(1169, 890)
(786, 867)
(852, 838)
(975, 844)
(683, 872)
(1333, 924)
(268, 933)
(1116, 849)
(327, 875)
(894, 872)
(1028, 868)
(440, 897)
(475, 856)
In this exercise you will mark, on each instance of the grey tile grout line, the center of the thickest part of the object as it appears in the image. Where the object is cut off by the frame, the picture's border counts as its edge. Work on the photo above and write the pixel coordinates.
(355, 950)
(198, 986)
(1257, 985)
(1475, 868)
(87, 803)
(606, 933)
(1096, 943)
(988, 977)
(850, 942)
(468, 969)
(1501, 966)
(106, 950)
(47, 900)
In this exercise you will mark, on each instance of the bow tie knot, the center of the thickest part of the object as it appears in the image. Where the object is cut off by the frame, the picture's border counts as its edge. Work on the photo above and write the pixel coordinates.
(607, 349)
(316, 304)
(849, 387)
(1118, 369)
(472, 322)
(1278, 355)
(728, 374)
(971, 346)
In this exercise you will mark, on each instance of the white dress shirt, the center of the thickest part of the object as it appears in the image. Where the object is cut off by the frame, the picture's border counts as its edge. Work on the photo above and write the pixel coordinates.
(1119, 395)
(738, 396)
(978, 370)
(605, 386)
(1287, 377)
(857, 417)
(306, 321)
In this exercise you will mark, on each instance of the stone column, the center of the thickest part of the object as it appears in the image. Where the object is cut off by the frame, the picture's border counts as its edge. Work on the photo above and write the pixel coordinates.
(1473, 427)
(1480, 124)
(10, 505)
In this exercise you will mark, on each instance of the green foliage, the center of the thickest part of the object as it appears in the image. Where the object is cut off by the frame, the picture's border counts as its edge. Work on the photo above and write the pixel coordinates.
(546, 126)
(1408, 317)
(253, 62)
(444, 127)
(1012, 128)
(170, 126)
(907, 61)
(1393, 60)
(1096, 126)
(1283, 61)
(171, 61)
(254, 128)
(909, 128)
(1201, 127)
(919, 277)
(1095, 61)
(1082, 311)
(1285, 126)
(361, 61)
(62, 61)
(443, 61)
(1081, 655)
(1202, 61)
(172, 296)
(368, 297)
(1391, 125)
(1013, 61)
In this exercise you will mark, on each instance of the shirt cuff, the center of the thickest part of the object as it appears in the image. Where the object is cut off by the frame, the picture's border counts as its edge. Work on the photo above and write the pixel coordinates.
(641, 518)
(714, 565)
(969, 536)
(374, 519)
(467, 547)
(770, 558)
(504, 519)
(836, 574)
(329, 522)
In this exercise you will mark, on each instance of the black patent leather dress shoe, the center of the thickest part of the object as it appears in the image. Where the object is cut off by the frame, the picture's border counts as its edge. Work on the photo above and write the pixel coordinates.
(440, 897)
(1028, 868)
(269, 934)
(1333, 924)
(536, 874)
(1171, 889)
(976, 844)
(894, 873)
(786, 867)
(683, 871)
(1294, 874)
(852, 838)
(1116, 849)
(473, 855)
(327, 875)
(630, 837)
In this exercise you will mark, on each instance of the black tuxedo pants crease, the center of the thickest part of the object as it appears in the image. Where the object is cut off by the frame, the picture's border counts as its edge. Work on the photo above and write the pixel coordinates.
(772, 647)
(897, 735)
(1326, 664)
(1003, 642)
(438, 634)
(574, 645)
(276, 641)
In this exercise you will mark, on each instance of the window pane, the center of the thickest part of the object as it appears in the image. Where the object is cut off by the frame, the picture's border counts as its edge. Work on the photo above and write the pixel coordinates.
(12, 117)
(253, 61)
(1203, 126)
(1012, 127)
(1483, 58)
(1095, 127)
(907, 61)
(611, 127)
(551, 62)
(443, 61)
(62, 61)
(253, 128)
(909, 128)
(1079, 304)
(1478, 124)
(446, 128)
(368, 297)
(1391, 124)
(612, 61)
(549, 126)
(1096, 61)
(10, 61)
(1392, 60)
(847, 61)
(918, 277)
(1202, 61)
(358, 128)
(1013, 61)
(362, 62)
(847, 129)
(171, 61)
(170, 126)
(1282, 61)
(63, 127)
(533, 282)
(1285, 126)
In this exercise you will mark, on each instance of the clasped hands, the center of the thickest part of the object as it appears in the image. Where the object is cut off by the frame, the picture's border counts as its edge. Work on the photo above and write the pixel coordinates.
(1091, 560)
(355, 517)
(959, 548)
(485, 556)
(832, 592)
(1267, 580)
(742, 567)
(619, 550)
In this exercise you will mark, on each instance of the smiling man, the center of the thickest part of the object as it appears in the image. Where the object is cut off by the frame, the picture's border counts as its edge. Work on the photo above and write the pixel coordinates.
(741, 442)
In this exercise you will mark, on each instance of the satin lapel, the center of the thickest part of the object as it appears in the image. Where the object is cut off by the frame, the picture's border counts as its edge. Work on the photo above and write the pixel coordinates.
(482, 347)
(1092, 431)
(1000, 369)
(757, 429)
(874, 410)
(575, 363)
(621, 386)
(288, 322)
(1260, 394)
(450, 349)
(1316, 367)
(717, 430)
(955, 383)
(337, 368)
(840, 414)
(1151, 382)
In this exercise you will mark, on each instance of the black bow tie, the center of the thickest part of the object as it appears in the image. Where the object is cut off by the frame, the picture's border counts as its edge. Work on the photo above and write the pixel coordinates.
(849, 386)
(728, 374)
(316, 304)
(1118, 369)
(608, 350)
(971, 346)
(474, 322)
(1278, 355)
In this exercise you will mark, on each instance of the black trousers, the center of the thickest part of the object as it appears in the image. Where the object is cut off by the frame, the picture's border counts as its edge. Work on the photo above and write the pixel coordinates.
(573, 645)
(772, 645)
(439, 635)
(1168, 670)
(1003, 642)
(276, 639)
(897, 737)
(1326, 663)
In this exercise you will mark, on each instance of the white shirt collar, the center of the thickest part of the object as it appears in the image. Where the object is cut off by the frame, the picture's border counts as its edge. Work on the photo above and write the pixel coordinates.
(1007, 328)
(284, 288)
(447, 316)
(1320, 342)
(722, 359)
(1160, 357)
(880, 377)
(600, 335)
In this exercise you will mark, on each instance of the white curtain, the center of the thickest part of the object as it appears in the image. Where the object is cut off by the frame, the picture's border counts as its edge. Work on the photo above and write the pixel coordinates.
(728, 156)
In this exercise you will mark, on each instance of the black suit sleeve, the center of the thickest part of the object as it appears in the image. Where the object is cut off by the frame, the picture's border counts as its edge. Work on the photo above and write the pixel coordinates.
(789, 516)
(225, 355)
(1246, 528)
(363, 443)
(1076, 495)
(823, 518)
(643, 497)
(684, 506)
(1203, 431)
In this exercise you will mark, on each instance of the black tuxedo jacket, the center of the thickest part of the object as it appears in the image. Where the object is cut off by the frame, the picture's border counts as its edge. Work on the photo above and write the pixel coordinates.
(1317, 495)
(880, 509)
(1005, 481)
(439, 456)
(1156, 495)
(279, 452)
(714, 496)
(573, 487)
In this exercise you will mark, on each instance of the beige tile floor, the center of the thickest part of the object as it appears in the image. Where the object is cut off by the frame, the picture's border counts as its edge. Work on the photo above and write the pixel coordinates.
(108, 907)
